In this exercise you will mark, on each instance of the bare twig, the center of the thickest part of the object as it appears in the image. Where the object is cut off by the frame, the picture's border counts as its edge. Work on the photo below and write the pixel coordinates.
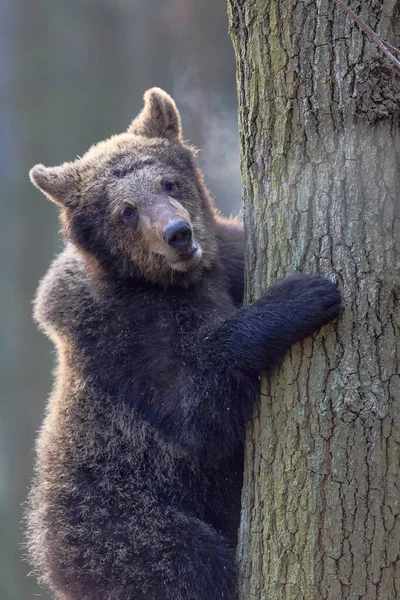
(389, 50)
(390, 47)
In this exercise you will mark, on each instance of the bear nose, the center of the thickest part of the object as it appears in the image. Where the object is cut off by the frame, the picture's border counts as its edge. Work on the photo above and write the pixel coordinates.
(178, 235)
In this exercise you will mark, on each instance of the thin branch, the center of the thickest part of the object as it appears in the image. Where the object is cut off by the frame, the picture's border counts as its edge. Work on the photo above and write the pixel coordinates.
(390, 47)
(387, 49)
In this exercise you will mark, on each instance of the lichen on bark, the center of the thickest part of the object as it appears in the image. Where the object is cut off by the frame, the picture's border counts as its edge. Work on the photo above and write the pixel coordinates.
(319, 112)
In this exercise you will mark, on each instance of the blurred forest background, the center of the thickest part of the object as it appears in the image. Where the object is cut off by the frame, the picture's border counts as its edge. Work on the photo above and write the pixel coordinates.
(72, 72)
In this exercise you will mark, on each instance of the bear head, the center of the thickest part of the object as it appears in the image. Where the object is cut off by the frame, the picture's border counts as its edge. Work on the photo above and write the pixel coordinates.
(136, 205)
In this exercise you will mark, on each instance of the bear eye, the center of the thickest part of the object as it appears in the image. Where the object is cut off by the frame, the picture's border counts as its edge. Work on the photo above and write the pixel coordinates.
(169, 186)
(119, 173)
(129, 213)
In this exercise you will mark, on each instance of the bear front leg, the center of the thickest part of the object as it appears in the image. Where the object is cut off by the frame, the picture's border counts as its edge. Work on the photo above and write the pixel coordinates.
(217, 398)
(257, 336)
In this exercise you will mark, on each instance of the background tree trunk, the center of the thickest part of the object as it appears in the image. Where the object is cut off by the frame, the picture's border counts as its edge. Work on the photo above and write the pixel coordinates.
(320, 140)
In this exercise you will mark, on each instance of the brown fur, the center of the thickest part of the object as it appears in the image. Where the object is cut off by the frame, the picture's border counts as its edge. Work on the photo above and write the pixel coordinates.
(139, 464)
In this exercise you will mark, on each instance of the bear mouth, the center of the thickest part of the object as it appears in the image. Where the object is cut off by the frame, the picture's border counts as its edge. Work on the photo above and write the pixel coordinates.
(184, 255)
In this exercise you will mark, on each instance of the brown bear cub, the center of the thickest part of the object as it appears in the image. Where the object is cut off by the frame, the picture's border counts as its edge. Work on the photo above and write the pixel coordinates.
(139, 462)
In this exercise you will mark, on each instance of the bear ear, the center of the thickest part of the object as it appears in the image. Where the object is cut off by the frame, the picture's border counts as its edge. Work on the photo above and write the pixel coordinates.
(57, 183)
(159, 117)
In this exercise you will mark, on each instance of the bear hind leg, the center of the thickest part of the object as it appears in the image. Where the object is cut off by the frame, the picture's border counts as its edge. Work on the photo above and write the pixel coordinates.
(189, 560)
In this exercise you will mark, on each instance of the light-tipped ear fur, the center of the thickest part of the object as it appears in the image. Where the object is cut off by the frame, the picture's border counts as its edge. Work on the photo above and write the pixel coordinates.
(159, 117)
(57, 183)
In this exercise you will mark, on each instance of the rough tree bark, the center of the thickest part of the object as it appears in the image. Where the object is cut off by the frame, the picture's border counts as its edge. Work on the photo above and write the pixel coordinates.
(320, 139)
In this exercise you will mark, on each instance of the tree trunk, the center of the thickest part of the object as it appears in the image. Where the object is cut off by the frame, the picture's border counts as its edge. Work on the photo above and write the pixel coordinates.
(320, 139)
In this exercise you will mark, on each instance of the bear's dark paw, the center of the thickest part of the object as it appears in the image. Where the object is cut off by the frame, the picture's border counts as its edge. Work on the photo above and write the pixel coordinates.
(316, 301)
(312, 301)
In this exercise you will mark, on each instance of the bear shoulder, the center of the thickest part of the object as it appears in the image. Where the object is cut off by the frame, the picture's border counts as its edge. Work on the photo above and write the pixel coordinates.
(63, 294)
